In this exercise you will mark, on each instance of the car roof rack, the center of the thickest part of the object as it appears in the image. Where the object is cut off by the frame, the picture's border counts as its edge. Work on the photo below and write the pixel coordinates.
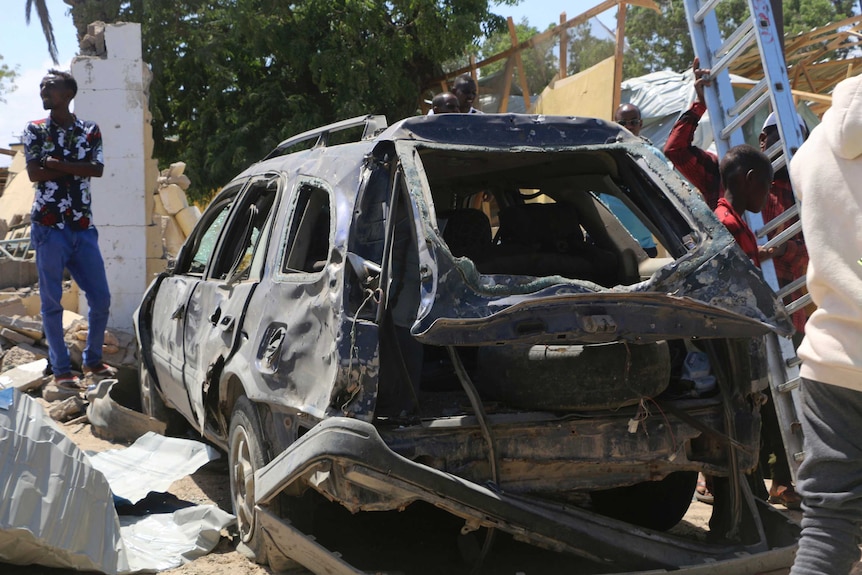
(373, 125)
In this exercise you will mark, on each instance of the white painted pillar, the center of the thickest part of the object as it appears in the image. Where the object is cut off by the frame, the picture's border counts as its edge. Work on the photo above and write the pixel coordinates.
(112, 92)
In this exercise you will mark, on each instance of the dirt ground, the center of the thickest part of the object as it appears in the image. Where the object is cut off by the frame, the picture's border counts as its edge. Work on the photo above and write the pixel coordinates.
(209, 485)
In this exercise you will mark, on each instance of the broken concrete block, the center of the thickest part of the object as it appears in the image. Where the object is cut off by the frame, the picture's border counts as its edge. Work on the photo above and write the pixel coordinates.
(159, 206)
(14, 337)
(71, 296)
(174, 198)
(32, 303)
(36, 351)
(12, 305)
(172, 235)
(24, 377)
(21, 354)
(67, 409)
(187, 218)
(70, 318)
(176, 170)
(24, 325)
(182, 181)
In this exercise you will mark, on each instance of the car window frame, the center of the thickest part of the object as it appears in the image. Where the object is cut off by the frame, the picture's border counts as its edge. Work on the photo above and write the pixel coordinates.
(292, 204)
(192, 245)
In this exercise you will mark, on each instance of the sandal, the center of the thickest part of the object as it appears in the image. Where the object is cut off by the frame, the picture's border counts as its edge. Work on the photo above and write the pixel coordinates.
(784, 495)
(100, 370)
(701, 492)
(68, 381)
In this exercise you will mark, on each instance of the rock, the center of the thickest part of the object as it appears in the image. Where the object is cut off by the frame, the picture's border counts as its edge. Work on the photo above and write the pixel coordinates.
(19, 355)
(25, 377)
(14, 337)
(23, 324)
(12, 305)
(67, 409)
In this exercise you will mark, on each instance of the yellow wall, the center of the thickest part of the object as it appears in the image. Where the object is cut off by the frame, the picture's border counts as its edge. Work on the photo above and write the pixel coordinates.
(589, 93)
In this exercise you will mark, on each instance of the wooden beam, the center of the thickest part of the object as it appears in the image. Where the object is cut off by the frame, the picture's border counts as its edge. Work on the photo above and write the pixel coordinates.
(522, 73)
(618, 56)
(555, 31)
(564, 48)
(507, 87)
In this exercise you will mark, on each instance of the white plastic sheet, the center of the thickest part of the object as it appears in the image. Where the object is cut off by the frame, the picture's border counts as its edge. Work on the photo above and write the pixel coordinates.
(57, 508)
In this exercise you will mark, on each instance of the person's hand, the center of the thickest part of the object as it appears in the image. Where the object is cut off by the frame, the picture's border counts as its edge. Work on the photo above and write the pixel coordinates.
(765, 254)
(701, 79)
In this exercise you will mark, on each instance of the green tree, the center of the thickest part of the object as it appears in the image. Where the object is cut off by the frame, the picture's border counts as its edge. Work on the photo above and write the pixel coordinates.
(45, 21)
(7, 77)
(232, 78)
(586, 50)
(539, 61)
(662, 41)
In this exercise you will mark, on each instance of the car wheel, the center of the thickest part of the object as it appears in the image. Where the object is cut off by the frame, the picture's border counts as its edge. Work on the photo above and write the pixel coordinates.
(245, 456)
(154, 406)
(656, 505)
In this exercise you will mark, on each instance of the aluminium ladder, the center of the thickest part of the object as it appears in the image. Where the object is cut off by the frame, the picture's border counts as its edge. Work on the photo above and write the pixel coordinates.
(727, 115)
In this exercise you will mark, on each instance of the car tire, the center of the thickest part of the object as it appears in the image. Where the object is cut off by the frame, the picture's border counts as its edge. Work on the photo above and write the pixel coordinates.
(655, 505)
(245, 456)
(154, 406)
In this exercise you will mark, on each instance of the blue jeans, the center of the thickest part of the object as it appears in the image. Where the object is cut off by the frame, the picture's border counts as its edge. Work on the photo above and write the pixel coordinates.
(830, 480)
(77, 251)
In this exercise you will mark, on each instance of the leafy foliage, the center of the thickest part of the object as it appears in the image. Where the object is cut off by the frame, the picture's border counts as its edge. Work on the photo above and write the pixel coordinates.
(662, 41)
(45, 22)
(585, 50)
(7, 74)
(232, 78)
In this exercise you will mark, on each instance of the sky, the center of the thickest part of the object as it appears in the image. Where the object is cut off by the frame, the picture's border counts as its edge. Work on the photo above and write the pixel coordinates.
(24, 49)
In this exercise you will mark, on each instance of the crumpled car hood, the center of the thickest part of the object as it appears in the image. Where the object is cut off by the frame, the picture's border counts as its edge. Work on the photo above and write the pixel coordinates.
(712, 292)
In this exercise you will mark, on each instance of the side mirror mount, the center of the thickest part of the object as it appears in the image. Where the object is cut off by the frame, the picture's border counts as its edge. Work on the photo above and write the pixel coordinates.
(367, 271)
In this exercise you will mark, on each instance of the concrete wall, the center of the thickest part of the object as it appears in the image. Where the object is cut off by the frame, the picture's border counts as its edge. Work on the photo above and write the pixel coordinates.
(112, 91)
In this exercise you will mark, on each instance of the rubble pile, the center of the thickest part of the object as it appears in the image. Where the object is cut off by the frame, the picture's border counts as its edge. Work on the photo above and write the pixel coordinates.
(24, 352)
(172, 214)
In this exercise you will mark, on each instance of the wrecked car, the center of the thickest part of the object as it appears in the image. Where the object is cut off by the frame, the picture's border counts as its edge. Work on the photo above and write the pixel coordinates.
(446, 310)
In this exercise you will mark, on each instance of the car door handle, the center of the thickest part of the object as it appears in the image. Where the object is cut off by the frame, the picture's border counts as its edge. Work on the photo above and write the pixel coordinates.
(226, 323)
(179, 312)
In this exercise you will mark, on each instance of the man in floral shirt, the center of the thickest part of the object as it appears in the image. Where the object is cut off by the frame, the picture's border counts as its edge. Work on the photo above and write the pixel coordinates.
(63, 152)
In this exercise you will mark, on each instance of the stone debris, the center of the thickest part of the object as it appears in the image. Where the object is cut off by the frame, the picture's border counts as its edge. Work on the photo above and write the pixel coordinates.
(23, 324)
(67, 409)
(25, 377)
(173, 217)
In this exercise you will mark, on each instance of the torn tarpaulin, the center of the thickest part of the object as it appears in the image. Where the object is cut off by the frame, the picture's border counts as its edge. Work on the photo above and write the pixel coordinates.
(57, 509)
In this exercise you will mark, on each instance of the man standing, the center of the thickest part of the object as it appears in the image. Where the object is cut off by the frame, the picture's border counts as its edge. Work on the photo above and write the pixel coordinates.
(444, 103)
(629, 116)
(826, 173)
(63, 152)
(465, 90)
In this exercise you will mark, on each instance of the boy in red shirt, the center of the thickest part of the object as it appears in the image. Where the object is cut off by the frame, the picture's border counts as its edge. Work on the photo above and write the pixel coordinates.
(746, 173)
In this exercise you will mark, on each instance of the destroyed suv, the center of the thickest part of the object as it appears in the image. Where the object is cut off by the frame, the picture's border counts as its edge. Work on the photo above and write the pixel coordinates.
(447, 310)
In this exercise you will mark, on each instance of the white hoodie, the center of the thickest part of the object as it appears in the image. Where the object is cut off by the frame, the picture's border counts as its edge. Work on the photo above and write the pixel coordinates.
(827, 177)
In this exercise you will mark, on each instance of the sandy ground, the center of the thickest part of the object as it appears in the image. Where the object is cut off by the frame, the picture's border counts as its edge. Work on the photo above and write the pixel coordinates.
(210, 485)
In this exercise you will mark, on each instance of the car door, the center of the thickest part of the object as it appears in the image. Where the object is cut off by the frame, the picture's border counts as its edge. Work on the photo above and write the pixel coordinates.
(217, 303)
(168, 321)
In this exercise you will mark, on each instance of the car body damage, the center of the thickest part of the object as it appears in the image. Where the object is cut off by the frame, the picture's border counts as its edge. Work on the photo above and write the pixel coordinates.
(457, 311)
